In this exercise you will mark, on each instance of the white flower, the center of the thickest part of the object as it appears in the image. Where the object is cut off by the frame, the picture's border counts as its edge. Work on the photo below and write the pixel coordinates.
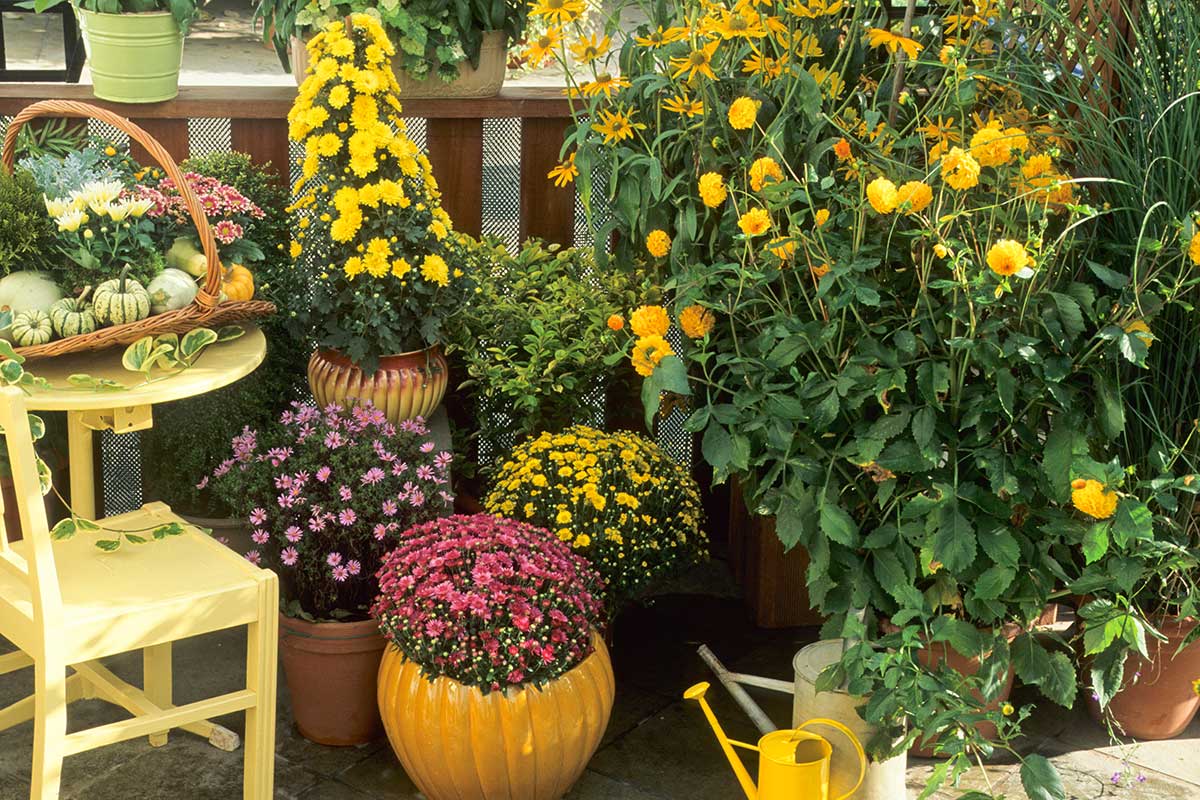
(138, 208)
(97, 195)
(71, 220)
(117, 211)
(58, 206)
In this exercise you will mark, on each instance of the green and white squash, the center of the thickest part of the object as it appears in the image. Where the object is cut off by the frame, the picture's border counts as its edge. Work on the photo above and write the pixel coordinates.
(73, 316)
(27, 290)
(31, 328)
(121, 300)
(171, 289)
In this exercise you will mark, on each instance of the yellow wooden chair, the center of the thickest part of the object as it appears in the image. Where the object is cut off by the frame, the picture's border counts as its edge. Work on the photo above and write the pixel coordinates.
(66, 604)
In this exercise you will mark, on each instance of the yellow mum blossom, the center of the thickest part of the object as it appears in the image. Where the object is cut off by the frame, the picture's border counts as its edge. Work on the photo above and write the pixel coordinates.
(615, 322)
(991, 147)
(755, 222)
(1090, 497)
(712, 189)
(819, 270)
(295, 249)
(434, 270)
(696, 322)
(782, 247)
(959, 169)
(648, 353)
(1194, 248)
(658, 243)
(400, 267)
(882, 195)
(328, 145)
(914, 197)
(763, 171)
(650, 321)
(742, 113)
(1007, 257)
(821, 217)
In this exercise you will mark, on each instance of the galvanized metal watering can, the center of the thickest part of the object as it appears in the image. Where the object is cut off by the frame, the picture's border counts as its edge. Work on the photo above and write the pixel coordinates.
(792, 764)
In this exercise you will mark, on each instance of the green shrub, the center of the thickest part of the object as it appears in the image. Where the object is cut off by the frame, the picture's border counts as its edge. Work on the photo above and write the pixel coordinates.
(27, 239)
(189, 436)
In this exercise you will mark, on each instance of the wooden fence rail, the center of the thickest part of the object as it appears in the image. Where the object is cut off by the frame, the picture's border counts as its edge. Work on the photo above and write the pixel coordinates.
(454, 139)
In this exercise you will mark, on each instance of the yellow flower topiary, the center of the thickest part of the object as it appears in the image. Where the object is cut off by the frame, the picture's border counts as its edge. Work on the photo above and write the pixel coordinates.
(1090, 497)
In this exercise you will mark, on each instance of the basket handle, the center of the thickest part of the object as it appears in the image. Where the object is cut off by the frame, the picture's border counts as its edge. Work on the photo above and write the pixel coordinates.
(206, 297)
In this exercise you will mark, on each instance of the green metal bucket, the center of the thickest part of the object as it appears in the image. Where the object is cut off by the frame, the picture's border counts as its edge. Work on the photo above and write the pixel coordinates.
(134, 58)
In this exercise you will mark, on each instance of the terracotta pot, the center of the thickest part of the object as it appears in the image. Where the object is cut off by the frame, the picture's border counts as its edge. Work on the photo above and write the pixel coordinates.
(457, 743)
(331, 670)
(1160, 703)
(938, 653)
(482, 81)
(405, 386)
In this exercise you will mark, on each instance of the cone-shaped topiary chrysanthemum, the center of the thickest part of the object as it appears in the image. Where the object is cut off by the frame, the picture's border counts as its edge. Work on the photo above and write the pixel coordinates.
(369, 223)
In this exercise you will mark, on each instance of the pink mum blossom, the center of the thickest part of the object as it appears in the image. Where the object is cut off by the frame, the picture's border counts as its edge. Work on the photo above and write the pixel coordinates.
(289, 556)
(333, 559)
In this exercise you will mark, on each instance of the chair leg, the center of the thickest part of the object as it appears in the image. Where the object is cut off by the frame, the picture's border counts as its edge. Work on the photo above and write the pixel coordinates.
(157, 680)
(49, 729)
(262, 641)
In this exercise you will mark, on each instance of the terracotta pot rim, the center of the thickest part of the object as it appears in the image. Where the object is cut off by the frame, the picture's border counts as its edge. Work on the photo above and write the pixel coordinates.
(508, 691)
(393, 361)
(320, 630)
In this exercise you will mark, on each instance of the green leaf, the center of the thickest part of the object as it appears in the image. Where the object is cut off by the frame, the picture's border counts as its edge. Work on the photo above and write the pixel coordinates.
(1095, 542)
(992, 583)
(230, 332)
(889, 425)
(838, 526)
(6, 348)
(86, 524)
(1111, 279)
(1107, 674)
(135, 539)
(1069, 314)
(1006, 388)
(1133, 521)
(1056, 461)
(651, 403)
(11, 371)
(1041, 780)
(1111, 411)
(137, 354)
(717, 446)
(1060, 684)
(671, 376)
(794, 520)
(935, 780)
(1001, 546)
(923, 428)
(194, 341)
(933, 381)
(108, 545)
(954, 543)
(65, 529)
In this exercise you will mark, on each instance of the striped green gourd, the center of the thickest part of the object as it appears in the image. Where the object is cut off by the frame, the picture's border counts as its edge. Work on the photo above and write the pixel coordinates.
(31, 328)
(121, 300)
(73, 316)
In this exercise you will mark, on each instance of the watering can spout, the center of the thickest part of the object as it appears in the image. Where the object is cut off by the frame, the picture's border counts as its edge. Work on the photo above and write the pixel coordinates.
(697, 693)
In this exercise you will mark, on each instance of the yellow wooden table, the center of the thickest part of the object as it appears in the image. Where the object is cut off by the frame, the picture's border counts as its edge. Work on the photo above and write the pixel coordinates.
(124, 411)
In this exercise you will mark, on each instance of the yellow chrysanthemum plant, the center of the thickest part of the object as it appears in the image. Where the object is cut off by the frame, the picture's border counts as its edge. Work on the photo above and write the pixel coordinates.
(908, 357)
(616, 498)
(369, 222)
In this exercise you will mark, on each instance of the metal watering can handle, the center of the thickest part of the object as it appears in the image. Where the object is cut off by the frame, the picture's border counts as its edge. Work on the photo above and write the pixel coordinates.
(858, 748)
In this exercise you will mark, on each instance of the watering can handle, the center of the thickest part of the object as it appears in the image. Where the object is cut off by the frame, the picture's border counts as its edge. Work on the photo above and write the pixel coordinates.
(858, 748)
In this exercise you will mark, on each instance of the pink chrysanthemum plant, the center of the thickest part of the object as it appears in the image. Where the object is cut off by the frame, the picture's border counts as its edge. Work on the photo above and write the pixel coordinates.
(229, 213)
(325, 493)
(488, 602)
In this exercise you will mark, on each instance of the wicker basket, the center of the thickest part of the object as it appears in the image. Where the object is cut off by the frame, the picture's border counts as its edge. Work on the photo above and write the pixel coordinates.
(204, 311)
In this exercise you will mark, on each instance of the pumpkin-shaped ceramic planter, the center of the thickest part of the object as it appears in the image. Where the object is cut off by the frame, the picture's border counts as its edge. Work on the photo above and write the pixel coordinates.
(456, 743)
(405, 386)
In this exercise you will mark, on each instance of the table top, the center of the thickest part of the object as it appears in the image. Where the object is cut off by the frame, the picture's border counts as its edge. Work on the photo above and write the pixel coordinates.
(219, 365)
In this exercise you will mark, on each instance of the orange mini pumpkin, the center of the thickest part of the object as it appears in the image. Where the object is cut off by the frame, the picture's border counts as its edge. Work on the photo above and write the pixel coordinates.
(238, 283)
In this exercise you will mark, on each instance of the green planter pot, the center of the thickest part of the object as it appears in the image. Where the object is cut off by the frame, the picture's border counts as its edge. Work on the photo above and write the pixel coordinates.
(134, 58)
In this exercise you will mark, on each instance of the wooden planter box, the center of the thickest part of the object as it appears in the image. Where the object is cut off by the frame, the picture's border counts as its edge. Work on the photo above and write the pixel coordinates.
(772, 580)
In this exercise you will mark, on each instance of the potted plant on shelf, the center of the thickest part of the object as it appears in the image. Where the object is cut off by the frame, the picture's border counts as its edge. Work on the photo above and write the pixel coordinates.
(493, 647)
(134, 47)
(446, 49)
(615, 498)
(370, 228)
(325, 494)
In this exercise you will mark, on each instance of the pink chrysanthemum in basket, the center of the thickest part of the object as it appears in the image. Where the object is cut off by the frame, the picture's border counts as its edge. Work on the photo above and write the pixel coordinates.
(488, 601)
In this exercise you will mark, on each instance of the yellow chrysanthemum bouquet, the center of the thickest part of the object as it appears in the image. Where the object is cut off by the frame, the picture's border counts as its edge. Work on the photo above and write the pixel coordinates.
(892, 333)
(616, 498)
(369, 223)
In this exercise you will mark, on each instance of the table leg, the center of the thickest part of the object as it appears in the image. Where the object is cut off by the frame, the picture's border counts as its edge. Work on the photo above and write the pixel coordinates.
(157, 682)
(83, 466)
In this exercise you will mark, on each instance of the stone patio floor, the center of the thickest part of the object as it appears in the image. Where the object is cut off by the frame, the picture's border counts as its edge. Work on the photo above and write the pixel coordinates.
(656, 746)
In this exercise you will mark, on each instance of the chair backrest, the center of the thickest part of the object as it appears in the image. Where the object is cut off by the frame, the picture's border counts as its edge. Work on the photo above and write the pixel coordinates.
(34, 566)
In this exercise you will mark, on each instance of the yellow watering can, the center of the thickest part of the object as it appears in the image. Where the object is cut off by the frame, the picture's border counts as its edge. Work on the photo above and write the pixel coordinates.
(792, 764)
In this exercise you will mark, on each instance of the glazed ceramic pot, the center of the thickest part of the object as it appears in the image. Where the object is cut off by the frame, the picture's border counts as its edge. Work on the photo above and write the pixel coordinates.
(1157, 699)
(331, 669)
(456, 743)
(134, 58)
(405, 386)
(482, 81)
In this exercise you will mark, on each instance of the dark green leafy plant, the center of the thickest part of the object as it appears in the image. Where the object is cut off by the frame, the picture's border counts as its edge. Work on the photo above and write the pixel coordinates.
(534, 339)
(190, 435)
(27, 236)
(185, 12)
